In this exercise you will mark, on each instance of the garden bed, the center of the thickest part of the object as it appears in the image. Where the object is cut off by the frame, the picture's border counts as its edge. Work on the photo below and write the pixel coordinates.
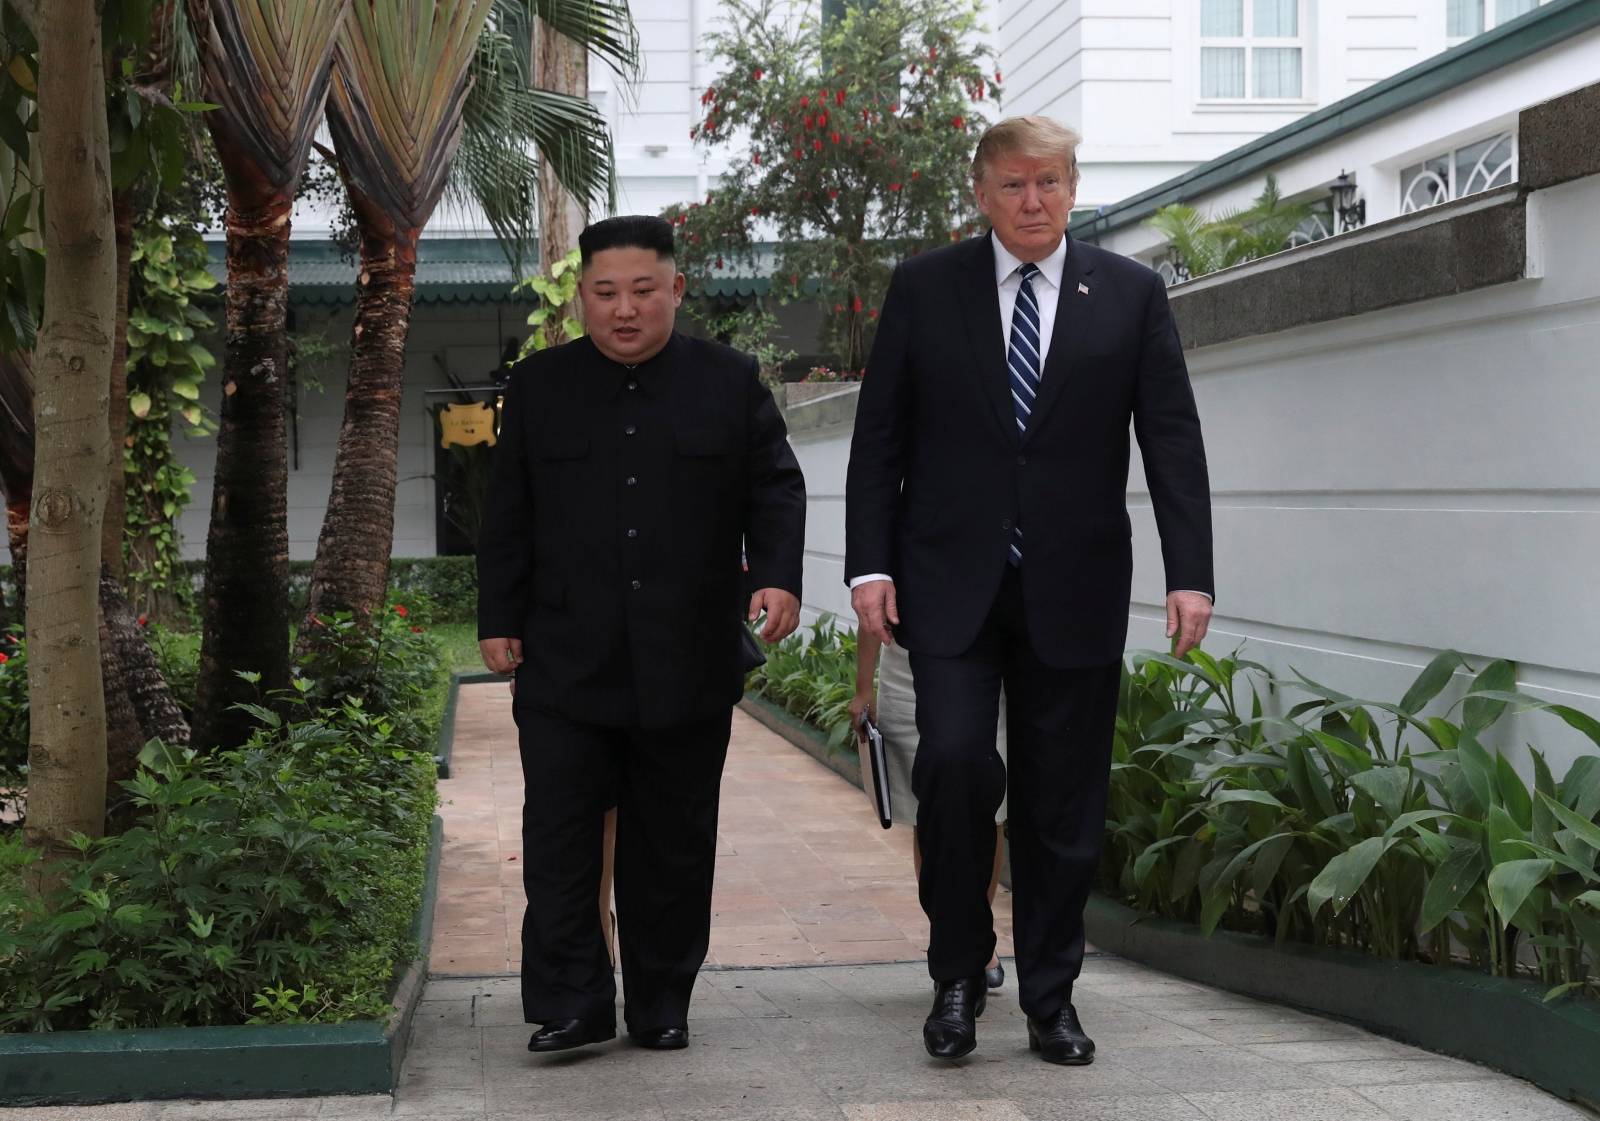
(1505, 1024)
(243, 1061)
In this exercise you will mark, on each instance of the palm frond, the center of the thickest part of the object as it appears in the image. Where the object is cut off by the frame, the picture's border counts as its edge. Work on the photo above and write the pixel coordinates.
(267, 65)
(402, 75)
(605, 27)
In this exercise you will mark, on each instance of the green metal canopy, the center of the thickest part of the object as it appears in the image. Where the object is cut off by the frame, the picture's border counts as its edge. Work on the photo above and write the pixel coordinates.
(449, 270)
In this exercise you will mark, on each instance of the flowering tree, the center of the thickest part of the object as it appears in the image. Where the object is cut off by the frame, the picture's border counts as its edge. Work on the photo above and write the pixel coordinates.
(852, 138)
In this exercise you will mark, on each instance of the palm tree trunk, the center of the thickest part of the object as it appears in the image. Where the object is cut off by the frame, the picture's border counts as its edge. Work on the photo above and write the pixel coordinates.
(67, 737)
(246, 605)
(351, 572)
(16, 462)
(562, 65)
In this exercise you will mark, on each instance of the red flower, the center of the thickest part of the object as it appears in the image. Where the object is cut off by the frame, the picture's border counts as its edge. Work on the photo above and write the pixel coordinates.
(916, 175)
(758, 73)
(817, 144)
(804, 101)
(755, 211)
(691, 133)
(895, 108)
(958, 122)
(810, 121)
(4, 658)
(997, 77)
(838, 98)
(719, 262)
(400, 610)
(416, 630)
(822, 119)
(873, 314)
(838, 307)
(933, 54)
(856, 307)
(894, 186)
(799, 155)
(756, 159)
(834, 193)
(143, 620)
(794, 278)
(834, 136)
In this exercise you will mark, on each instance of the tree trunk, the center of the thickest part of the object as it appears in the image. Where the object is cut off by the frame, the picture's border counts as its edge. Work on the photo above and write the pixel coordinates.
(246, 605)
(124, 737)
(67, 738)
(562, 65)
(112, 531)
(351, 572)
(154, 704)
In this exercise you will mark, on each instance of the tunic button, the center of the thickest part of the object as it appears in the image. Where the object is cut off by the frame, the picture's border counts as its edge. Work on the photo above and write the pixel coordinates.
(1005, 525)
(636, 585)
(630, 430)
(632, 384)
(633, 533)
(1022, 461)
(633, 480)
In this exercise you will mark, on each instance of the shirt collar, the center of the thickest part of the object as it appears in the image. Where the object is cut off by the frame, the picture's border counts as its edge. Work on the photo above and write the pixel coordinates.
(1006, 263)
(647, 375)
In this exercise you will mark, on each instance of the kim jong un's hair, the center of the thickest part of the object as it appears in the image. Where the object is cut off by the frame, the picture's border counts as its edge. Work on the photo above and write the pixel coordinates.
(627, 231)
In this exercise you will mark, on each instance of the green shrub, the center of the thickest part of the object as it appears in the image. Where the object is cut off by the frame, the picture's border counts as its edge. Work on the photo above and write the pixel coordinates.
(813, 676)
(273, 883)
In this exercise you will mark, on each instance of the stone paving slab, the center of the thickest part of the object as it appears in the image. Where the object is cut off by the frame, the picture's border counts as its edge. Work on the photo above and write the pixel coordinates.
(842, 1043)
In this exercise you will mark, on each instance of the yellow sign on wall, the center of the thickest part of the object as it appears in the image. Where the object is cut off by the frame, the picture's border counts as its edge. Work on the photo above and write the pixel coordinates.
(466, 425)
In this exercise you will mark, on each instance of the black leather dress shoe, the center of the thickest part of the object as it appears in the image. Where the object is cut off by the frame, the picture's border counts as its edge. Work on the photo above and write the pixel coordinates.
(661, 1039)
(559, 1035)
(995, 975)
(1060, 1039)
(952, 1027)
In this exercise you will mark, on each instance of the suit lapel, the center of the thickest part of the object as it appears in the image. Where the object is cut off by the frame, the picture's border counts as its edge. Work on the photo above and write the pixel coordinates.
(980, 302)
(1074, 319)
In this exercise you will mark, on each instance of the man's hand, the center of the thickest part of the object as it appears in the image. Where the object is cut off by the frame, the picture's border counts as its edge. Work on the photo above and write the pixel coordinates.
(501, 655)
(1188, 616)
(875, 609)
(783, 613)
(861, 704)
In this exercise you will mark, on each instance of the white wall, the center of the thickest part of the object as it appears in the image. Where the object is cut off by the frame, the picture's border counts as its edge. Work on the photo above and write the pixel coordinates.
(1125, 73)
(1386, 486)
(1376, 155)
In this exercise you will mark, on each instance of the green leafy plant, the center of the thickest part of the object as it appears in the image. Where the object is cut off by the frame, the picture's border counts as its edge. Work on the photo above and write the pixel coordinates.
(274, 883)
(1206, 244)
(166, 365)
(813, 676)
(552, 321)
(13, 725)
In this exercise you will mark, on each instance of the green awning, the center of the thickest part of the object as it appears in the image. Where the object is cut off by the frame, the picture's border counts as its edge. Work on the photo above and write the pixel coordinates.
(449, 270)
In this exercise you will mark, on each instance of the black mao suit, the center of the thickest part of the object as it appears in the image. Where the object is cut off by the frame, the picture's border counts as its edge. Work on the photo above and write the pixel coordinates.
(621, 501)
(939, 480)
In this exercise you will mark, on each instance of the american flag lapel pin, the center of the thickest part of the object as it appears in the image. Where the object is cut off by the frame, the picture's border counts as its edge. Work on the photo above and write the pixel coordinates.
(1083, 289)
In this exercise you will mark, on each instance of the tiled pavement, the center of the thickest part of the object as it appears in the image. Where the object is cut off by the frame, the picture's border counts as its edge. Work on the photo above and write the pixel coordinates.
(804, 873)
(805, 876)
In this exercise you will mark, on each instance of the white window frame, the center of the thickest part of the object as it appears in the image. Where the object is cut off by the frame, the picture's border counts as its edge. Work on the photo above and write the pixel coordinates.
(1250, 43)
(1490, 21)
(1453, 189)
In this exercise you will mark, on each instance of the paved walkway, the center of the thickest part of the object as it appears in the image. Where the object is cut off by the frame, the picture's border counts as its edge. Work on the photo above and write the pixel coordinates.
(806, 877)
(804, 873)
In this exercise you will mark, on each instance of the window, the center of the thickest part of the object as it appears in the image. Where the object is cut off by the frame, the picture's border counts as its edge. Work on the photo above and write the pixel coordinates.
(1465, 171)
(1251, 49)
(1465, 18)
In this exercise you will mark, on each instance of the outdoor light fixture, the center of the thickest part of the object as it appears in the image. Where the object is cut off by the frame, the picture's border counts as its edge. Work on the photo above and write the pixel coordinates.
(1350, 212)
(655, 149)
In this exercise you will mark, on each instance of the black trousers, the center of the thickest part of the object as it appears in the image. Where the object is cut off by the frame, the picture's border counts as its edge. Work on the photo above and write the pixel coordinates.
(1058, 741)
(666, 785)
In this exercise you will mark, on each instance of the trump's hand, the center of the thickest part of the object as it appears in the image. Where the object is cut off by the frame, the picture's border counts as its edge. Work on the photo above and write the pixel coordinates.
(783, 613)
(875, 609)
(1188, 616)
(501, 655)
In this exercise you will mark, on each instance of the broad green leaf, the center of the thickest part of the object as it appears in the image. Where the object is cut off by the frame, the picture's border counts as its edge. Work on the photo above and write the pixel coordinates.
(139, 404)
(1258, 797)
(1459, 874)
(1268, 861)
(1511, 882)
(1586, 830)
(1501, 830)
(1343, 876)
(1479, 712)
(1386, 786)
(1147, 859)
(1513, 792)
(1478, 767)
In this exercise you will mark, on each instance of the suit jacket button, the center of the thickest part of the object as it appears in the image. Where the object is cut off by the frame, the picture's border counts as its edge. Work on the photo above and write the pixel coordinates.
(1005, 524)
(636, 585)
(1022, 461)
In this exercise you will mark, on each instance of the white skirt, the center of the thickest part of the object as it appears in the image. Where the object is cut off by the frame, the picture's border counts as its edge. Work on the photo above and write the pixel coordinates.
(897, 720)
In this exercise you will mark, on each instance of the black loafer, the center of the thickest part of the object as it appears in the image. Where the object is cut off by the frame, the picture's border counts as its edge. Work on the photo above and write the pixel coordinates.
(1060, 1039)
(951, 1030)
(560, 1035)
(995, 975)
(661, 1039)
